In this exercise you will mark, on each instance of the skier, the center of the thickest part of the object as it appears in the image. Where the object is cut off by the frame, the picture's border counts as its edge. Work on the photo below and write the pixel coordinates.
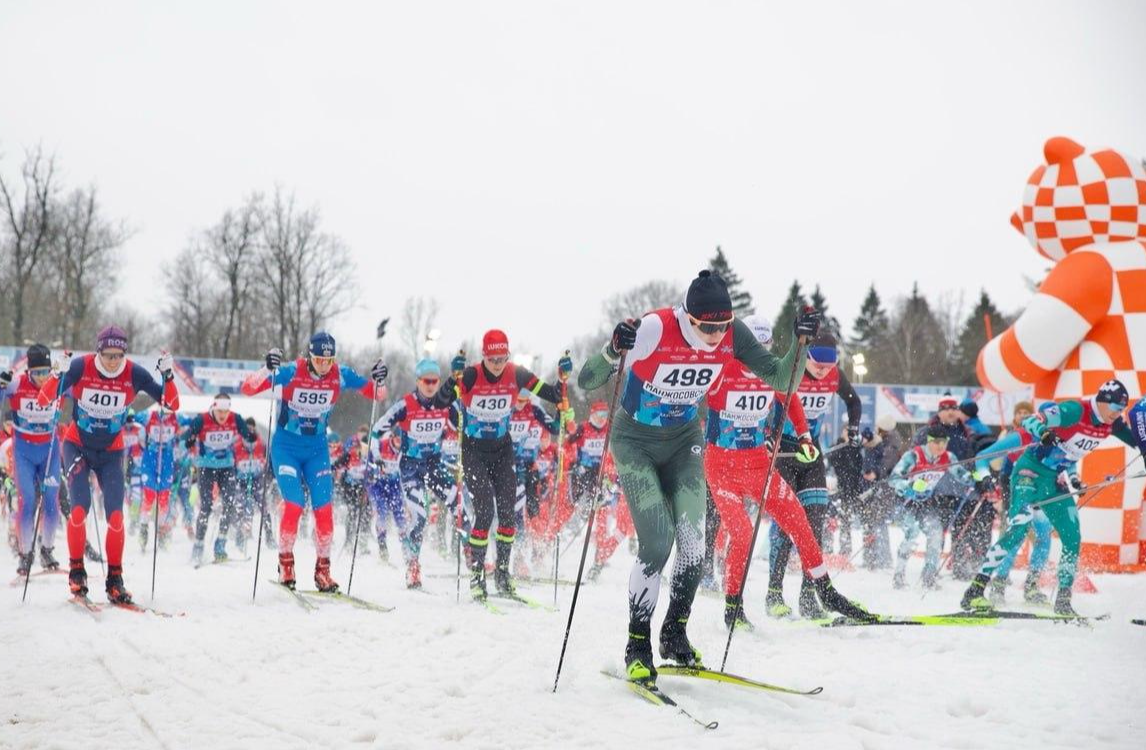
(215, 433)
(613, 524)
(487, 391)
(736, 460)
(589, 441)
(250, 472)
(804, 469)
(916, 478)
(350, 469)
(102, 386)
(299, 454)
(384, 487)
(35, 458)
(133, 440)
(415, 424)
(1064, 432)
(157, 471)
(527, 423)
(673, 357)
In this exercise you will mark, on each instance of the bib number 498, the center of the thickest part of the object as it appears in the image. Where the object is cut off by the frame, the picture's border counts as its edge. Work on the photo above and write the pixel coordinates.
(686, 377)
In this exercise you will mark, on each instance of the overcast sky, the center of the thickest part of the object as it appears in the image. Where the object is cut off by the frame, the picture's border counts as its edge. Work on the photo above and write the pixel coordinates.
(521, 161)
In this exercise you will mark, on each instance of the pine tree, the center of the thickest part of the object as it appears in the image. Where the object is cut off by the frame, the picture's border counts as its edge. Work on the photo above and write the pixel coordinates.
(870, 326)
(741, 300)
(782, 327)
(972, 338)
(915, 350)
(830, 323)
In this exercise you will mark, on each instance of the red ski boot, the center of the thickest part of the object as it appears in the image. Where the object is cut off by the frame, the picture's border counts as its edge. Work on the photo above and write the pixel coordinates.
(116, 593)
(322, 580)
(413, 575)
(286, 569)
(77, 577)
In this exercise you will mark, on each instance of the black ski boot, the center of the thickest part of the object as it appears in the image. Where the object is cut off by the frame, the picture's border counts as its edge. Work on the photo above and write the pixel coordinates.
(144, 533)
(734, 616)
(807, 604)
(24, 566)
(973, 599)
(48, 561)
(1062, 602)
(504, 583)
(674, 642)
(639, 666)
(1031, 593)
(837, 602)
(116, 593)
(775, 606)
(477, 584)
(77, 578)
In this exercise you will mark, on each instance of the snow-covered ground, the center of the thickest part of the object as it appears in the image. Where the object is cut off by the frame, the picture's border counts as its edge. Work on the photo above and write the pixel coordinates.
(433, 673)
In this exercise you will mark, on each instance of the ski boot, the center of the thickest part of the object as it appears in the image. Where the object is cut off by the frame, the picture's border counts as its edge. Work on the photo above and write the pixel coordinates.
(639, 666)
(322, 580)
(899, 580)
(973, 599)
(734, 616)
(116, 593)
(197, 554)
(383, 551)
(1062, 602)
(143, 537)
(774, 604)
(1031, 593)
(286, 569)
(837, 602)
(24, 567)
(477, 584)
(504, 583)
(807, 604)
(594, 572)
(77, 578)
(674, 644)
(48, 561)
(413, 575)
(930, 580)
(91, 554)
(221, 550)
(997, 595)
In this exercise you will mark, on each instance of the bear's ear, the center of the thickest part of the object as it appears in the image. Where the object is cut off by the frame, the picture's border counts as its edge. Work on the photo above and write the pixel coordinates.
(1017, 223)
(1060, 150)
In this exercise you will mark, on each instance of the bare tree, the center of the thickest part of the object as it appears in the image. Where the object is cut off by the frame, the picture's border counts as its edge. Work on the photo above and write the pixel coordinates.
(195, 305)
(83, 254)
(27, 224)
(418, 317)
(231, 246)
(635, 302)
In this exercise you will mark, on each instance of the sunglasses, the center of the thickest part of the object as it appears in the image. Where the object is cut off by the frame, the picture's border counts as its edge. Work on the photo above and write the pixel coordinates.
(936, 439)
(40, 371)
(430, 381)
(322, 360)
(710, 328)
(112, 355)
(497, 360)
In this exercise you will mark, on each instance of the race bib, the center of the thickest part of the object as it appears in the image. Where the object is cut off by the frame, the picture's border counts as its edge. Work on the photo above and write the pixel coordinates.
(931, 478)
(426, 430)
(161, 433)
(682, 383)
(518, 429)
(103, 404)
(747, 408)
(491, 408)
(219, 440)
(594, 446)
(31, 411)
(248, 466)
(815, 404)
(311, 402)
(1079, 445)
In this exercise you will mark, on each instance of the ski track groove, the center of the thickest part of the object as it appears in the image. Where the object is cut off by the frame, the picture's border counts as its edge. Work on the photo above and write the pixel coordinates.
(131, 702)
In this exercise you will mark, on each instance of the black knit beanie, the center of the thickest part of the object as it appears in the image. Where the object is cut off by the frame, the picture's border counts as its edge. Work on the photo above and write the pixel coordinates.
(708, 298)
(39, 356)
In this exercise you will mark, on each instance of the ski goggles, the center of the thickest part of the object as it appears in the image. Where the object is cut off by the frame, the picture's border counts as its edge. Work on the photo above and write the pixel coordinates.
(113, 356)
(40, 372)
(322, 360)
(932, 439)
(497, 360)
(430, 381)
(710, 328)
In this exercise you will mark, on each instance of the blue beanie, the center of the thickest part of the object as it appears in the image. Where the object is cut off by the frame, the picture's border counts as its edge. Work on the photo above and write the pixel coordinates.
(425, 367)
(322, 345)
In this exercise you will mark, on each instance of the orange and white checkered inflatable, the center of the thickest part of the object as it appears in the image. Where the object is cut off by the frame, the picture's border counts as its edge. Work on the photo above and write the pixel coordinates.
(1087, 322)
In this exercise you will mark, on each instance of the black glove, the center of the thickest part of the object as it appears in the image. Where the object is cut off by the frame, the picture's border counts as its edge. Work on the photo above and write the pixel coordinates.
(565, 366)
(5, 378)
(808, 322)
(855, 440)
(1050, 438)
(624, 336)
(190, 441)
(378, 373)
(274, 358)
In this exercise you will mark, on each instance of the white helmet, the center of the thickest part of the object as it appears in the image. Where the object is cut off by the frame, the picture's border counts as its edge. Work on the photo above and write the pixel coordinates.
(761, 328)
(886, 422)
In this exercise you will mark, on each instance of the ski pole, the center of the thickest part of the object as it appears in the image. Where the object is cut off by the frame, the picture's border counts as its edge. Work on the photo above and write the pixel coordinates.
(827, 452)
(266, 470)
(358, 518)
(797, 363)
(155, 515)
(459, 527)
(556, 566)
(40, 502)
(1114, 479)
(592, 512)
